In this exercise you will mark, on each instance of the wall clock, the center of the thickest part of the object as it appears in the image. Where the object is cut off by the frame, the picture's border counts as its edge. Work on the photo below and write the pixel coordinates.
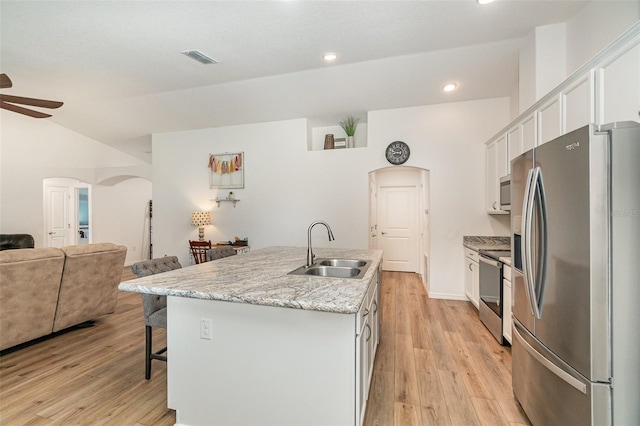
(397, 152)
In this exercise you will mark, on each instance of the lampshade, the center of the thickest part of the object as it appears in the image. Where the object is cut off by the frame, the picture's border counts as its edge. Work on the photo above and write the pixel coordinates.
(200, 218)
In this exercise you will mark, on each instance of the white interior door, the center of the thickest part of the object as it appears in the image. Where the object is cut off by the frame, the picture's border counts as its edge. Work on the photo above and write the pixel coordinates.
(398, 230)
(57, 223)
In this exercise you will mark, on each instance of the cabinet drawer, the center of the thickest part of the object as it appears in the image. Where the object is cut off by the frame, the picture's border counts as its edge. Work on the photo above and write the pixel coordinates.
(366, 306)
(506, 273)
(471, 254)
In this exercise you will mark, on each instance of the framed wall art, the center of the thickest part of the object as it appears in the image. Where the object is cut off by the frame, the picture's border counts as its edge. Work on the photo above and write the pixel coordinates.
(226, 170)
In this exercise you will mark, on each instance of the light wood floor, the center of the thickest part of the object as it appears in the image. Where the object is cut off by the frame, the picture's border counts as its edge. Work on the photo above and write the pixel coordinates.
(436, 364)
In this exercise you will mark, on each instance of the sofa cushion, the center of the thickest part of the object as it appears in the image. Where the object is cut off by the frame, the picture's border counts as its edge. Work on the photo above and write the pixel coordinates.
(89, 286)
(16, 241)
(29, 286)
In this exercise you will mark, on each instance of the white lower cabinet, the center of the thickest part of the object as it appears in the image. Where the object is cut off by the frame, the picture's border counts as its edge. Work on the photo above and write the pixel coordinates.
(366, 345)
(270, 365)
(507, 301)
(472, 275)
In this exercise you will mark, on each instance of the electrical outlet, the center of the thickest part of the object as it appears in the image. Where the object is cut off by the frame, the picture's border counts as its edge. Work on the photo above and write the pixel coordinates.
(205, 328)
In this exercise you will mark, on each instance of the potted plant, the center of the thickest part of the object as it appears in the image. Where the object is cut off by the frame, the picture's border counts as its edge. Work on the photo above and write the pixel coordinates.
(349, 125)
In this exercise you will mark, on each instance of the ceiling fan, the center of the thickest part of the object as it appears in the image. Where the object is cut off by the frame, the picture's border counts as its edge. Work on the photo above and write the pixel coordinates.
(8, 102)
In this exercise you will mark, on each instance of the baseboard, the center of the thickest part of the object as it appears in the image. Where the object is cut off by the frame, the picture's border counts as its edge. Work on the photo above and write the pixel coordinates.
(448, 296)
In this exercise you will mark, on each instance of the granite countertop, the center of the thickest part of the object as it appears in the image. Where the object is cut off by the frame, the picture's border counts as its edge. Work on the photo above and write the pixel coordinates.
(486, 243)
(489, 243)
(260, 278)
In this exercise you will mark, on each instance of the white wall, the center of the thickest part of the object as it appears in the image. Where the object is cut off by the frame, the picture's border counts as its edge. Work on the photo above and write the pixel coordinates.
(32, 150)
(121, 212)
(288, 187)
(597, 25)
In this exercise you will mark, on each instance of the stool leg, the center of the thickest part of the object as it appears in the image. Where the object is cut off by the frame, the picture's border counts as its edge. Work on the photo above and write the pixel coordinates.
(147, 361)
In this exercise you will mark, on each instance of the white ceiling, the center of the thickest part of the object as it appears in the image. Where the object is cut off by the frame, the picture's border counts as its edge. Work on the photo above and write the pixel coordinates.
(117, 64)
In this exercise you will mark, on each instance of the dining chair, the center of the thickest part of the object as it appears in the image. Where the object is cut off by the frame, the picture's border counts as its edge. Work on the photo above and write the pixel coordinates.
(154, 306)
(199, 250)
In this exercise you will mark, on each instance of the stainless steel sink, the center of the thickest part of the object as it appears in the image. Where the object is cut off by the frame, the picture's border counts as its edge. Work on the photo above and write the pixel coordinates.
(334, 268)
(352, 263)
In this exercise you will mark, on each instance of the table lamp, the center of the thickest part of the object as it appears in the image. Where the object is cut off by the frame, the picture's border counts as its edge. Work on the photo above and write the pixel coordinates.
(200, 219)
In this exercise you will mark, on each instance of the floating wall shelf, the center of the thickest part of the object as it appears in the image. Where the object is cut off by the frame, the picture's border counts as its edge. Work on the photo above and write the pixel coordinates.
(222, 200)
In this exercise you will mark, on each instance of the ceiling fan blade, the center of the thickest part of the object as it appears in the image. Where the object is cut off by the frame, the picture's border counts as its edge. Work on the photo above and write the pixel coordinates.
(25, 111)
(5, 81)
(42, 103)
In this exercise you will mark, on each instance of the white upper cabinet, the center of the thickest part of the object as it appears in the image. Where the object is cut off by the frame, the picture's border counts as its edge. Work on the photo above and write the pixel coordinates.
(578, 101)
(529, 133)
(618, 95)
(604, 90)
(521, 138)
(497, 165)
(549, 120)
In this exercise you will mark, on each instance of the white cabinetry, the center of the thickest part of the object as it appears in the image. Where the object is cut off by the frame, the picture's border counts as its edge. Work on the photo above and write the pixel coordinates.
(521, 137)
(507, 302)
(618, 95)
(368, 326)
(549, 120)
(262, 358)
(578, 103)
(472, 275)
(497, 159)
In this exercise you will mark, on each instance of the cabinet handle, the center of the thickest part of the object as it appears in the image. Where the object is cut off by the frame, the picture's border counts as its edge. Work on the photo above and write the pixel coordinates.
(368, 328)
(471, 267)
(375, 312)
(494, 205)
(383, 233)
(366, 312)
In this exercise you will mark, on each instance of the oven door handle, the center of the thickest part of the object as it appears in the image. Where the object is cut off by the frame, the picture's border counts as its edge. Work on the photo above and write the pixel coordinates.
(490, 261)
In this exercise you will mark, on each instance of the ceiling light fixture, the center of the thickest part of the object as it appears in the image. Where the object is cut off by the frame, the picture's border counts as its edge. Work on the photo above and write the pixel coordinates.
(450, 87)
(330, 57)
(199, 56)
(485, 1)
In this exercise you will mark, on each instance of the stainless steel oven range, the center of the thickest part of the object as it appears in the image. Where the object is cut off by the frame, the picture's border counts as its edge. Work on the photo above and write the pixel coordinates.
(490, 304)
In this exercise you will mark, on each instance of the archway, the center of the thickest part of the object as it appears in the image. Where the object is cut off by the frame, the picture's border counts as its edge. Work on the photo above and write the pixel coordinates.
(399, 218)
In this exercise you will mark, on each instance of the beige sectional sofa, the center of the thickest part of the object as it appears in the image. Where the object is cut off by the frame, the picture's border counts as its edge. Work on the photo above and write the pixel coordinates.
(44, 290)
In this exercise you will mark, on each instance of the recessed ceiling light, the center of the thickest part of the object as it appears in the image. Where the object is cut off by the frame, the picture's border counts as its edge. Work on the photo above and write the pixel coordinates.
(485, 1)
(450, 87)
(199, 56)
(330, 57)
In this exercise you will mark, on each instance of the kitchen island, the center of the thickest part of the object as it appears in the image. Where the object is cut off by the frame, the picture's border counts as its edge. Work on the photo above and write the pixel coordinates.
(281, 349)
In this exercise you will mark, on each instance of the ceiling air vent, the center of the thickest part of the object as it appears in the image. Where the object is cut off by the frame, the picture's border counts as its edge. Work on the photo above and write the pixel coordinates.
(199, 56)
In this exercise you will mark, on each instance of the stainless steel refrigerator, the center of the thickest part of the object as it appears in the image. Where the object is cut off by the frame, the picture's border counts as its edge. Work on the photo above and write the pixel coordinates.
(576, 278)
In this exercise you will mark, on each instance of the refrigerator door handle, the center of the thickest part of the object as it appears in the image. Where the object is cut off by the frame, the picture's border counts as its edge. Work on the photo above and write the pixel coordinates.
(539, 283)
(568, 378)
(527, 213)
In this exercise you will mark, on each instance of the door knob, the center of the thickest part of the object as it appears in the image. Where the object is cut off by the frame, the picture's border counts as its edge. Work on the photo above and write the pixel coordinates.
(51, 233)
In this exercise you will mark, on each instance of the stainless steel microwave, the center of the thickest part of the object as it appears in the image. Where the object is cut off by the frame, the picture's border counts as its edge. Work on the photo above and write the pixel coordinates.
(505, 193)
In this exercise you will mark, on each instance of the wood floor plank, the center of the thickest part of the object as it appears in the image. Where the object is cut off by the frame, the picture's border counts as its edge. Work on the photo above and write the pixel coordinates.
(407, 415)
(460, 406)
(380, 407)
(434, 408)
(406, 384)
(473, 381)
(489, 412)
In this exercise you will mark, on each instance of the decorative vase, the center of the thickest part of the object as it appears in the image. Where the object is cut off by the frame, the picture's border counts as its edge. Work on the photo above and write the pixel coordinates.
(328, 141)
(350, 142)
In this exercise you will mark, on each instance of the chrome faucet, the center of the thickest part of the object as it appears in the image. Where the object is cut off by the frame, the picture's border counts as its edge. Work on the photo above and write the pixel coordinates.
(310, 255)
